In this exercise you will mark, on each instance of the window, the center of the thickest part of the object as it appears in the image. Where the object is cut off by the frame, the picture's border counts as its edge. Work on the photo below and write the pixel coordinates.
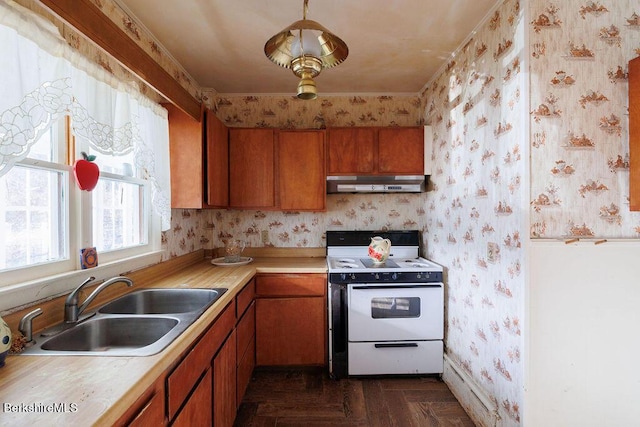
(34, 208)
(118, 208)
(47, 219)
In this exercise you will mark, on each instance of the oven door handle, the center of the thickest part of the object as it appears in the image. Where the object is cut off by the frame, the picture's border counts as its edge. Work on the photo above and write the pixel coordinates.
(396, 345)
(400, 286)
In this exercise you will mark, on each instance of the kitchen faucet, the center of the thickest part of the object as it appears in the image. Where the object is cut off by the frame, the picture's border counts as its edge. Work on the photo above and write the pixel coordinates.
(72, 311)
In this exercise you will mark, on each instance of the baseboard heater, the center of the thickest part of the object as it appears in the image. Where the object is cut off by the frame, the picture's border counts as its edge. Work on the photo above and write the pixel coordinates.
(480, 407)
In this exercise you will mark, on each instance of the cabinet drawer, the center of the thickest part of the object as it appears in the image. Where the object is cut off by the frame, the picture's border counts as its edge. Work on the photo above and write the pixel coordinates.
(283, 285)
(246, 329)
(245, 297)
(184, 377)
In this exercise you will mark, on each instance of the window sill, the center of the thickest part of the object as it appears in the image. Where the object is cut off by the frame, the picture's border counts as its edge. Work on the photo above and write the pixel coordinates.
(17, 296)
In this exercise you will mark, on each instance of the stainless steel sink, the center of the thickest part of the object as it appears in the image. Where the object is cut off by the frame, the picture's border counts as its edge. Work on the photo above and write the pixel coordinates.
(163, 301)
(141, 323)
(104, 334)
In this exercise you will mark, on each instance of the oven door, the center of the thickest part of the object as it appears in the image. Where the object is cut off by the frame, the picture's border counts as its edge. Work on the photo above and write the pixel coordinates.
(396, 312)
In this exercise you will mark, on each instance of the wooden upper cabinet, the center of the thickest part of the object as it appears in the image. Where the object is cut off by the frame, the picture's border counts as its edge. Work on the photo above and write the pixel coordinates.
(634, 134)
(375, 151)
(199, 153)
(186, 150)
(251, 168)
(351, 151)
(217, 150)
(401, 151)
(301, 170)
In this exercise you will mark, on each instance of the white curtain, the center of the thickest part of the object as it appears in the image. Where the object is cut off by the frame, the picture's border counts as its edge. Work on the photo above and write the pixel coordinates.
(43, 78)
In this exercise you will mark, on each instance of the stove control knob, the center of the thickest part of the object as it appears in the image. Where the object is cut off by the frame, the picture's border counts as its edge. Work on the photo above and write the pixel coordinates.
(343, 276)
(418, 276)
(377, 276)
(353, 276)
(394, 276)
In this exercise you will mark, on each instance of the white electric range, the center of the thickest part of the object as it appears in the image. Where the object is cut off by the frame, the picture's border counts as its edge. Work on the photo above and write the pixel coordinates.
(384, 319)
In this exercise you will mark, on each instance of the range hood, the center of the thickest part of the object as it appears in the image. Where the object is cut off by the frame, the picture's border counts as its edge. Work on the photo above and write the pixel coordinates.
(376, 184)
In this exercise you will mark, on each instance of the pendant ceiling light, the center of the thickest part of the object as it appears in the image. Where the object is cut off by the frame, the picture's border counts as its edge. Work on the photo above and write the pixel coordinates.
(306, 47)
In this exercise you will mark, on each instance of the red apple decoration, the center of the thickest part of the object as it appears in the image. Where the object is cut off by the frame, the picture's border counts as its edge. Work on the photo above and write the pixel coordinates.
(86, 172)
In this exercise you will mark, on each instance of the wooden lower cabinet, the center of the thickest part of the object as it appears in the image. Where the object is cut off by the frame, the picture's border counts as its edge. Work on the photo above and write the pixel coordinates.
(246, 350)
(182, 380)
(196, 412)
(291, 319)
(224, 384)
(206, 385)
(246, 365)
(148, 410)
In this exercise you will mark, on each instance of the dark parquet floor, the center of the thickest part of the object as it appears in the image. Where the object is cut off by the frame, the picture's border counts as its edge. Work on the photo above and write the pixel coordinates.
(308, 397)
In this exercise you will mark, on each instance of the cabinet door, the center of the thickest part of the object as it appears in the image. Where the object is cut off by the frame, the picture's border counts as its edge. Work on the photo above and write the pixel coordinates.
(217, 135)
(246, 330)
(224, 384)
(148, 410)
(251, 168)
(301, 171)
(290, 331)
(186, 152)
(401, 151)
(246, 350)
(185, 375)
(634, 134)
(197, 410)
(351, 151)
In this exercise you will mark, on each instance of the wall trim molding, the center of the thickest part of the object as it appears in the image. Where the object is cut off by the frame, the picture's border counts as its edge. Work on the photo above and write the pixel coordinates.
(475, 401)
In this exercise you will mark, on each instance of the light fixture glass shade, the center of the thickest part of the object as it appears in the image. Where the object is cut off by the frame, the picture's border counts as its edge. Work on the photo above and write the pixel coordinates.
(306, 47)
(316, 40)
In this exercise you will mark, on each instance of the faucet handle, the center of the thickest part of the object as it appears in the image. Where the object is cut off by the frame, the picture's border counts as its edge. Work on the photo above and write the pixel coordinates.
(26, 324)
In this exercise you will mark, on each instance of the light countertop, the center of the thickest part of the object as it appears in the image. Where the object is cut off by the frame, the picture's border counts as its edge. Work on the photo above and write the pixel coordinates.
(98, 390)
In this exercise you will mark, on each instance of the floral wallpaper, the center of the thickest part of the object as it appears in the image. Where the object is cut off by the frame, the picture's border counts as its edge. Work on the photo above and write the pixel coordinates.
(579, 129)
(540, 81)
(209, 229)
(289, 112)
(188, 233)
(302, 229)
(476, 212)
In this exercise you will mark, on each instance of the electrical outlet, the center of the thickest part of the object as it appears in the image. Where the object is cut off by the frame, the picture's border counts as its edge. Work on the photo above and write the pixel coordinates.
(265, 236)
(493, 252)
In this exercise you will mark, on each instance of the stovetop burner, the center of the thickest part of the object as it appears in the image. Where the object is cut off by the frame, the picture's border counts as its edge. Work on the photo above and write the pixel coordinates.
(348, 264)
(348, 261)
(368, 263)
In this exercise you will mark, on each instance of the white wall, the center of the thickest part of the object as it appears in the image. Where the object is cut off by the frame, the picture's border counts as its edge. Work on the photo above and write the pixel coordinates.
(583, 335)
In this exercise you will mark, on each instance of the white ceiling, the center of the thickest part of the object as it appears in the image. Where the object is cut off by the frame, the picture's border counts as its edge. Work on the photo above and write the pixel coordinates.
(395, 46)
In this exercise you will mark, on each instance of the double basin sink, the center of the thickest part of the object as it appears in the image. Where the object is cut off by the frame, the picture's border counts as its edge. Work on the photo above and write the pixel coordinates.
(141, 323)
